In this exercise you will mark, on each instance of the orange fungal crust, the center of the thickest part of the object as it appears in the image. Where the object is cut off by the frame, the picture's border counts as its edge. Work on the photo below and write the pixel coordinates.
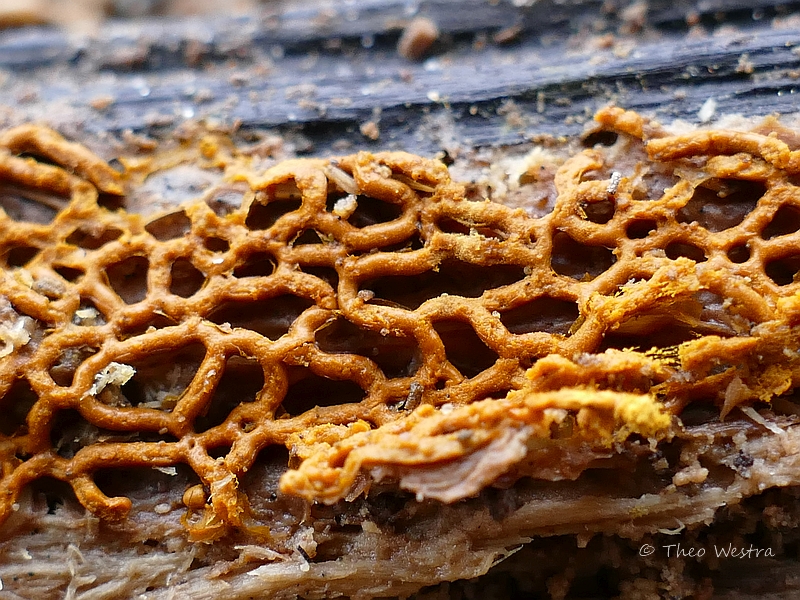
(501, 430)
(444, 331)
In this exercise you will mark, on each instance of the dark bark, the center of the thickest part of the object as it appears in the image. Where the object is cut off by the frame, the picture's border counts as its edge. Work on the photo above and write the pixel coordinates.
(323, 72)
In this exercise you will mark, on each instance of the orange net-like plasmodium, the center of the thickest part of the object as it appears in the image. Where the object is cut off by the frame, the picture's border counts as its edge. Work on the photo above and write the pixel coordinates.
(365, 314)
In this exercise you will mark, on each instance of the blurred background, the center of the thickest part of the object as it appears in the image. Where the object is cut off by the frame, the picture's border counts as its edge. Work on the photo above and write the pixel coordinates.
(86, 15)
(447, 78)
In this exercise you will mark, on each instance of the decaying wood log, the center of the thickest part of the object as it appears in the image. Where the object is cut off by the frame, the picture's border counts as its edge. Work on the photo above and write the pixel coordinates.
(323, 71)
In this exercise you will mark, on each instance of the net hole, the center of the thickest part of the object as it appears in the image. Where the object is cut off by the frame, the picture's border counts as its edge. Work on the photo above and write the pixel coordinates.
(395, 356)
(68, 273)
(739, 254)
(551, 315)
(241, 381)
(128, 278)
(15, 406)
(464, 349)
(599, 212)
(29, 205)
(19, 256)
(156, 321)
(422, 186)
(413, 243)
(256, 264)
(675, 250)
(272, 204)
(145, 486)
(371, 211)
(185, 278)
(110, 202)
(70, 432)
(600, 138)
(219, 452)
(783, 271)
(577, 260)
(454, 277)
(654, 183)
(272, 317)
(308, 236)
(63, 370)
(171, 226)
(50, 495)
(308, 390)
(326, 274)
(719, 204)
(785, 221)
(91, 240)
(161, 377)
(640, 229)
(448, 225)
(216, 244)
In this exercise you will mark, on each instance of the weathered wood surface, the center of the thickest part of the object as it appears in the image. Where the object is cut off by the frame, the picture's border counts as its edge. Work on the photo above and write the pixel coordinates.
(317, 73)
(321, 71)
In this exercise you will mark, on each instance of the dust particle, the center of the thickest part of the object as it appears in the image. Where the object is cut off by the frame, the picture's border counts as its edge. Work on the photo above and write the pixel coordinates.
(370, 130)
(417, 38)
